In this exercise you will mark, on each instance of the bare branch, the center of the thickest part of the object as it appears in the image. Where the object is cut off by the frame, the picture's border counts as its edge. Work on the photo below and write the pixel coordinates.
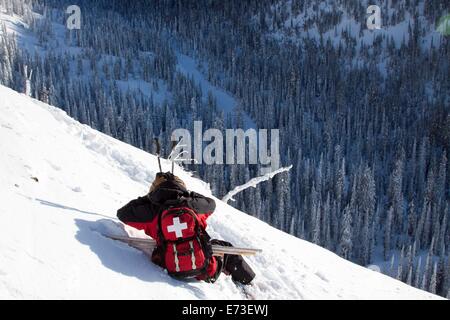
(253, 183)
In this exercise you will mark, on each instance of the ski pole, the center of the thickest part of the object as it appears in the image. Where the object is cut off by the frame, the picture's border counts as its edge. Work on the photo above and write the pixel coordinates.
(158, 150)
(174, 144)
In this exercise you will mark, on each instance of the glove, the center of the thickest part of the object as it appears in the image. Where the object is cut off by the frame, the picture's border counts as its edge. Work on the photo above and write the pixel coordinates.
(221, 243)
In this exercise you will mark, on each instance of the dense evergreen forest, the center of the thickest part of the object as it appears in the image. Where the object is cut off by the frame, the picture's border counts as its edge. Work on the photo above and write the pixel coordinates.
(364, 116)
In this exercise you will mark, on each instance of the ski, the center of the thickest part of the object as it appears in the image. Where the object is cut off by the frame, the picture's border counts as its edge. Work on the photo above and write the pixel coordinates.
(147, 246)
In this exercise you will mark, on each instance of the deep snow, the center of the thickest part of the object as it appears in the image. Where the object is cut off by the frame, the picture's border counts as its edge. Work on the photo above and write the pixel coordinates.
(50, 242)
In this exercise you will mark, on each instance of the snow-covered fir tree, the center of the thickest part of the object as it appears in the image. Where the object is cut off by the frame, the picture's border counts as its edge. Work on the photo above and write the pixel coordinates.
(363, 116)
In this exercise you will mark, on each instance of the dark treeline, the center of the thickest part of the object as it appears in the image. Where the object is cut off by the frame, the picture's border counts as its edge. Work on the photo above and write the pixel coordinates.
(366, 127)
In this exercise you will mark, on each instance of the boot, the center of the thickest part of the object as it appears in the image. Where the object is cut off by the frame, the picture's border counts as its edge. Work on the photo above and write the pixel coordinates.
(235, 265)
(239, 269)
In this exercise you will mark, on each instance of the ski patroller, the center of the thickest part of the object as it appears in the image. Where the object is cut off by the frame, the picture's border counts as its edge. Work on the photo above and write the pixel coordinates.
(150, 244)
(185, 254)
(147, 246)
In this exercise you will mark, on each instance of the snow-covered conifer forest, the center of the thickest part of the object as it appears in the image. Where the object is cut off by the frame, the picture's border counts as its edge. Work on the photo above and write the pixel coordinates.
(364, 115)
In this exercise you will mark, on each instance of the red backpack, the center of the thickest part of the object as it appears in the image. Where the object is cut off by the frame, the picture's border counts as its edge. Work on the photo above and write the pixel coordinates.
(185, 250)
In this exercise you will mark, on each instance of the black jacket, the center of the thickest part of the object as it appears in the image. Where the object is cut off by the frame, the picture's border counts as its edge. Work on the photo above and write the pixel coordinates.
(147, 208)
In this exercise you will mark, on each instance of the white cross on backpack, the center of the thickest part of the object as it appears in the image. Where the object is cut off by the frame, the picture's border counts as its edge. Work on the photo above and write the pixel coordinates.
(184, 245)
(177, 227)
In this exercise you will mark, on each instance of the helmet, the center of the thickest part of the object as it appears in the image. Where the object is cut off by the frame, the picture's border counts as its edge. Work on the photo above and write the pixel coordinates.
(167, 178)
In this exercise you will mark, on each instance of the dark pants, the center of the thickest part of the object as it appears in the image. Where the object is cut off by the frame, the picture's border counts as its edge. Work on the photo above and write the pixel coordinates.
(232, 265)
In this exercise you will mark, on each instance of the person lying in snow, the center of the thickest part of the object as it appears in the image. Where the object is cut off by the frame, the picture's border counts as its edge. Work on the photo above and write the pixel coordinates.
(176, 219)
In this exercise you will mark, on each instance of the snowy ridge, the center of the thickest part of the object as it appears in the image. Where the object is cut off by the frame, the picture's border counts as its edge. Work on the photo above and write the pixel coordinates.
(50, 246)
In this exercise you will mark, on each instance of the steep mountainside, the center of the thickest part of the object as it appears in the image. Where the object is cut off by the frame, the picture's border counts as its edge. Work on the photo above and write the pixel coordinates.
(363, 114)
(61, 185)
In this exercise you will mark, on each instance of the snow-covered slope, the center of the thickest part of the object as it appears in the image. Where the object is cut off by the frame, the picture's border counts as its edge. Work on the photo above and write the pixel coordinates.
(50, 242)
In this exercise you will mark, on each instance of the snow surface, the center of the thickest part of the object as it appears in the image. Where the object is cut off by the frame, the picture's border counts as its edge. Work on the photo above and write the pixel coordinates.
(50, 242)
